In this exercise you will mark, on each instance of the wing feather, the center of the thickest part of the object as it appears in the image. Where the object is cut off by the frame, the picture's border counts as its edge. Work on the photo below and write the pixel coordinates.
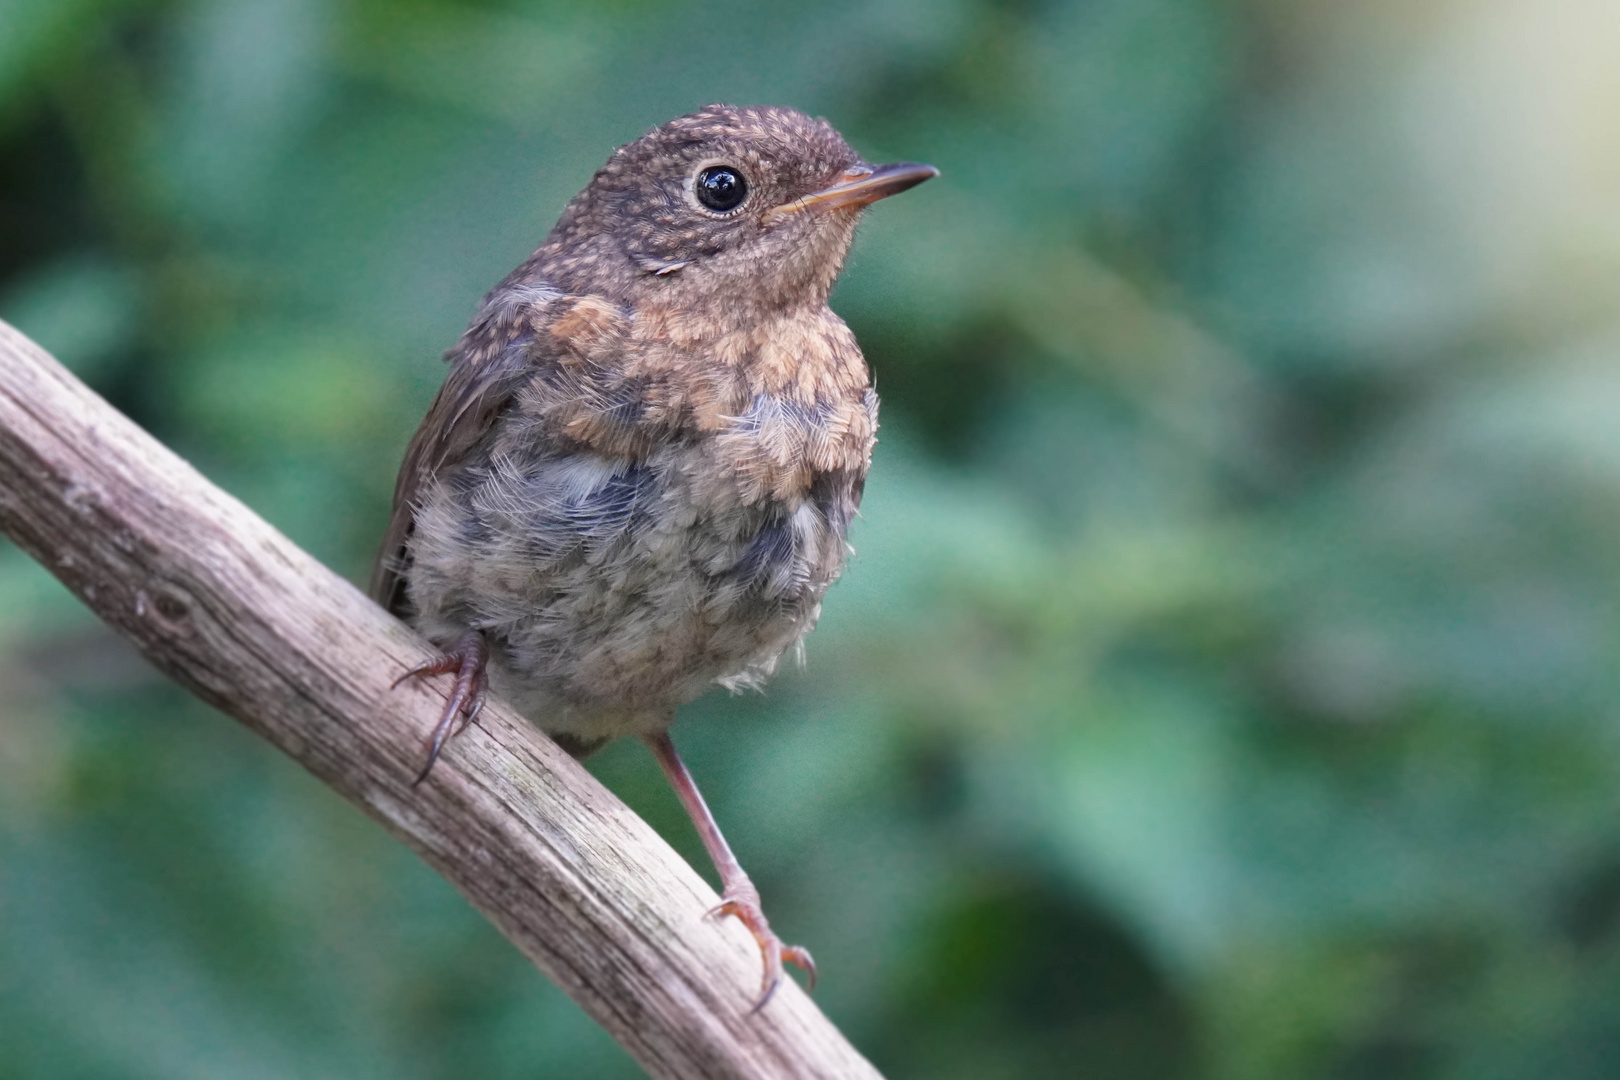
(490, 363)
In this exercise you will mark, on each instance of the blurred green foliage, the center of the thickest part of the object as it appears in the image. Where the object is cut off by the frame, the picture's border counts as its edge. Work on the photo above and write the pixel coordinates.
(1226, 686)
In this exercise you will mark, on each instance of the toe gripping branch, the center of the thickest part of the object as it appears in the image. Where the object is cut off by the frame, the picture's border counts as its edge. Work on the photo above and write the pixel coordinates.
(467, 658)
(741, 901)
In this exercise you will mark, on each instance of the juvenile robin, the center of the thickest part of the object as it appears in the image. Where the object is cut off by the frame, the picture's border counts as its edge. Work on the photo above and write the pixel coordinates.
(637, 478)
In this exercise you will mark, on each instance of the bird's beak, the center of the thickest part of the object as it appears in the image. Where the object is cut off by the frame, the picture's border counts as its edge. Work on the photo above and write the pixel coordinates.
(860, 184)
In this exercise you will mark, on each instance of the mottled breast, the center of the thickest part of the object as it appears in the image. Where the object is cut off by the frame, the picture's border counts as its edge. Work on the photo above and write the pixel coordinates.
(658, 510)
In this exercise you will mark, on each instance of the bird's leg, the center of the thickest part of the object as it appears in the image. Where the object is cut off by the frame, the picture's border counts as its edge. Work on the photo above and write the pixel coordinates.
(737, 893)
(467, 658)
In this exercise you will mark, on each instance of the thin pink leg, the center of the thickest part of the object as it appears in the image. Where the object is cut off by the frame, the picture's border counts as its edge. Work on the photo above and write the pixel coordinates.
(737, 893)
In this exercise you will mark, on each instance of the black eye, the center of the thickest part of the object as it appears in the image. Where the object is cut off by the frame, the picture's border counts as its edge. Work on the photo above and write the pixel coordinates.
(721, 188)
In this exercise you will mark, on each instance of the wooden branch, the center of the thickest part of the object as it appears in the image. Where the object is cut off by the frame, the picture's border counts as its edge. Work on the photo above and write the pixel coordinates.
(233, 610)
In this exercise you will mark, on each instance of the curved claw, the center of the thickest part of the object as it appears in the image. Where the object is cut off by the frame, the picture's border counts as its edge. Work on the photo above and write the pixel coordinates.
(467, 659)
(747, 910)
(470, 714)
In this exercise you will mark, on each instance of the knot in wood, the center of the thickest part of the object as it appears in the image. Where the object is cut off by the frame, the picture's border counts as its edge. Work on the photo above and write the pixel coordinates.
(166, 609)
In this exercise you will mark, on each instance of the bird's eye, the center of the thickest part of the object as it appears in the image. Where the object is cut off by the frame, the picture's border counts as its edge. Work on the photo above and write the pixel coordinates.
(721, 188)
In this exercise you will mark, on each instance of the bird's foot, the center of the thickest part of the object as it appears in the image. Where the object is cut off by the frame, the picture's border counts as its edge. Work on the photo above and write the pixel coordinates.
(467, 659)
(741, 899)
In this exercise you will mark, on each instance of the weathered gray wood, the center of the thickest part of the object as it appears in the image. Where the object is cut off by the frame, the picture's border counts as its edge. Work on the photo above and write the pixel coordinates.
(222, 602)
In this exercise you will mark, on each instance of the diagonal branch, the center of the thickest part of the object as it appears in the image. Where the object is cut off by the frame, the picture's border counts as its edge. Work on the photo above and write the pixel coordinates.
(233, 610)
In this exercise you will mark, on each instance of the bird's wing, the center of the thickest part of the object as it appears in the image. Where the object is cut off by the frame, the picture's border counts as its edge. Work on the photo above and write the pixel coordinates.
(487, 366)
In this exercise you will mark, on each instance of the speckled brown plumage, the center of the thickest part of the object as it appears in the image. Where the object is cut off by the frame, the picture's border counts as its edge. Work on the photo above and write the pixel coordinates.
(637, 479)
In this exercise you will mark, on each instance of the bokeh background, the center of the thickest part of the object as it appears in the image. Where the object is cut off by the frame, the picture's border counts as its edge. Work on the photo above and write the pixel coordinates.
(1227, 683)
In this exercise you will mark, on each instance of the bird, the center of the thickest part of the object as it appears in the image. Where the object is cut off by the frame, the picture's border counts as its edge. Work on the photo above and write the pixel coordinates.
(637, 480)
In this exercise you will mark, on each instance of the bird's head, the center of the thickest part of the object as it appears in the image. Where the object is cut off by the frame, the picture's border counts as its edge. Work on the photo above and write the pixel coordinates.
(739, 210)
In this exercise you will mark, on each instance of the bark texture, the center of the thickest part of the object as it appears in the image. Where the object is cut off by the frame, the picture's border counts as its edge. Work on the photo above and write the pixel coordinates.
(234, 611)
